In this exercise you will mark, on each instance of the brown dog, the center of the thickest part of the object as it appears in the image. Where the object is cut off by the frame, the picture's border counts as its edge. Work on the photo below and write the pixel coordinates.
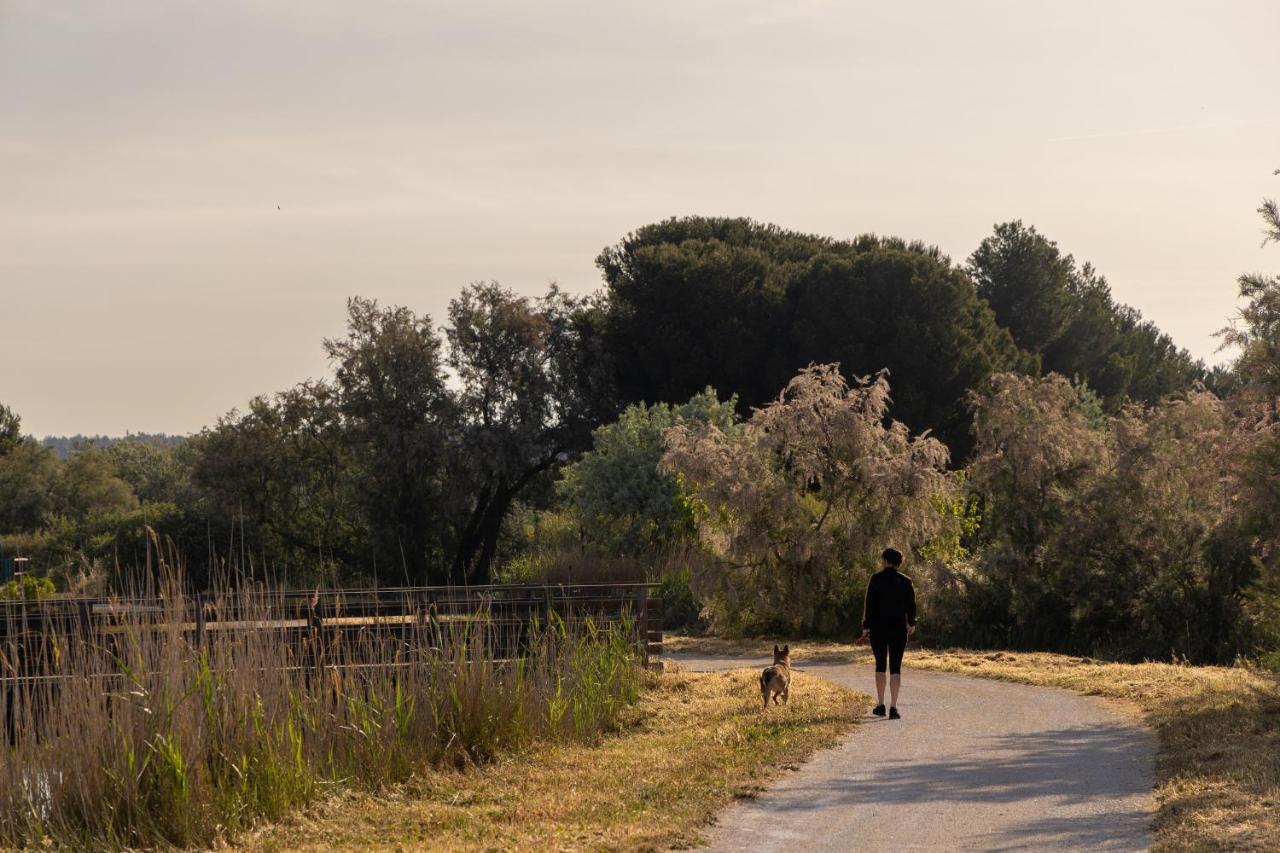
(775, 681)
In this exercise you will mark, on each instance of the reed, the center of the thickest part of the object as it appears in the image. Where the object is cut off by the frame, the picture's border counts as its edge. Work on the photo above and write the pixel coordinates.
(137, 735)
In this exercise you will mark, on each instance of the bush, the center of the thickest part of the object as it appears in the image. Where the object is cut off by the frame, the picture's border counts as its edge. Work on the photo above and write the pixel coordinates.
(624, 505)
(680, 609)
(28, 588)
(1110, 537)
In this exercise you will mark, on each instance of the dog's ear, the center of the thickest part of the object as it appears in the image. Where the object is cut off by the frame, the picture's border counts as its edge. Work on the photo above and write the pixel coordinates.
(775, 648)
(786, 650)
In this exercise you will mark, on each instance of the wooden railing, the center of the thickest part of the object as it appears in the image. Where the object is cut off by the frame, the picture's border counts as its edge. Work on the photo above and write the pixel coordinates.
(313, 622)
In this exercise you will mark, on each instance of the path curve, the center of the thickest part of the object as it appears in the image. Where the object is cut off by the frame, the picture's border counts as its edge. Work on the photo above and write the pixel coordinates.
(973, 764)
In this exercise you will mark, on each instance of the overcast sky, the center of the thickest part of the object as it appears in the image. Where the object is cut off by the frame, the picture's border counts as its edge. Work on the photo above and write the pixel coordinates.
(148, 281)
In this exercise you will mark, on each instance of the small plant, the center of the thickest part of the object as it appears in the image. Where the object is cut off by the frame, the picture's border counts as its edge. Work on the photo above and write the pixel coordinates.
(27, 588)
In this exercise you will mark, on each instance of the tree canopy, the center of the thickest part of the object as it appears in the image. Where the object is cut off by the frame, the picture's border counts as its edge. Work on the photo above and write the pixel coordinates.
(797, 504)
(741, 306)
(10, 429)
(1065, 315)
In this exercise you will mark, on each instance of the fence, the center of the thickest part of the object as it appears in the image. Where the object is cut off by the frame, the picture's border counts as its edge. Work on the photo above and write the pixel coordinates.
(316, 624)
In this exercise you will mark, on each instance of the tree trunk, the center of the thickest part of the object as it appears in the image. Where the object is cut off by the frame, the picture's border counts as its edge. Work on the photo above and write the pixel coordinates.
(480, 569)
(469, 542)
(474, 560)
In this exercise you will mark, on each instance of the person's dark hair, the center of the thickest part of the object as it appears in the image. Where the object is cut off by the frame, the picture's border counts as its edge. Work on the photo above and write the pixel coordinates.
(892, 556)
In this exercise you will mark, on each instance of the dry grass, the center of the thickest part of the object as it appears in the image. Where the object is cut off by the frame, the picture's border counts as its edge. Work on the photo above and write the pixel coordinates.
(1218, 772)
(810, 651)
(694, 742)
(136, 734)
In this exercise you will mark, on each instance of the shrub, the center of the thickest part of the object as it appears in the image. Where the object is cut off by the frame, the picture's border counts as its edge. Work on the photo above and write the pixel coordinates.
(1104, 536)
(28, 588)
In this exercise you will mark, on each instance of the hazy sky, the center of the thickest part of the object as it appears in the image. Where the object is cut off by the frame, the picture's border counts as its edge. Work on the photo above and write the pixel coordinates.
(148, 281)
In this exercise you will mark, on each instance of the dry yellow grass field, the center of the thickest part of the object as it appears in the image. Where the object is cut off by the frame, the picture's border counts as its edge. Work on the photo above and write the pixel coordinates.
(692, 744)
(1218, 772)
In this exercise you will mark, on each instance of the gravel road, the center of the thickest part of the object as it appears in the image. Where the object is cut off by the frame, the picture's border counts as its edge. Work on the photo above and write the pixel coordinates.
(973, 764)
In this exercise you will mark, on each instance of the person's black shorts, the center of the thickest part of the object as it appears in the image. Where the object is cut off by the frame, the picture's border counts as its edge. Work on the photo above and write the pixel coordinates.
(888, 648)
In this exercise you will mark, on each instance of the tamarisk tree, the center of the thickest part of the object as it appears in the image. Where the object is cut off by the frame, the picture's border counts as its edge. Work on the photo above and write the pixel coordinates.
(795, 507)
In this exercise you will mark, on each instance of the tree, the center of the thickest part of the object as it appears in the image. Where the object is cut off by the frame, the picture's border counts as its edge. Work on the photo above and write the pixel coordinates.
(399, 421)
(1038, 442)
(280, 482)
(154, 472)
(623, 502)
(10, 429)
(28, 486)
(534, 382)
(1027, 282)
(903, 308)
(1141, 557)
(88, 486)
(1255, 333)
(741, 306)
(797, 506)
(1065, 316)
(1105, 535)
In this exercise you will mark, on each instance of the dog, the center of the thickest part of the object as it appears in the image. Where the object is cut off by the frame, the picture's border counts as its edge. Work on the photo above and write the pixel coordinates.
(775, 681)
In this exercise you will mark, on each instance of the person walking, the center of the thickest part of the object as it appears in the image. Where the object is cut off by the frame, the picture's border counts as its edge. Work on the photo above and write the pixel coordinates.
(888, 618)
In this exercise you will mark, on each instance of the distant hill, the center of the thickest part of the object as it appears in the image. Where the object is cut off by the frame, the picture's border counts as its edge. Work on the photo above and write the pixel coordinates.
(64, 445)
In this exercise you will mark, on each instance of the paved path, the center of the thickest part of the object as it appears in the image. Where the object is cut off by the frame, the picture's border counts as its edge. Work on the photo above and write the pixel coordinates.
(973, 764)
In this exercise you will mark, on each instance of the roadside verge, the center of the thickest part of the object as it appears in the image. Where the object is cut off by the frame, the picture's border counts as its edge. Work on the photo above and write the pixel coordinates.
(696, 742)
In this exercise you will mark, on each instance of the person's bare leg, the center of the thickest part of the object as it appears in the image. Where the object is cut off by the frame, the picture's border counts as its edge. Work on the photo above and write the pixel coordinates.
(895, 681)
(880, 678)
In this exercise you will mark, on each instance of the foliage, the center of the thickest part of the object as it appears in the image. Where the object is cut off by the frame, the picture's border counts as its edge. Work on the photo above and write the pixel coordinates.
(1255, 333)
(680, 607)
(88, 485)
(962, 510)
(105, 546)
(275, 481)
(10, 430)
(798, 506)
(1066, 316)
(28, 588)
(390, 413)
(29, 477)
(625, 505)
(65, 445)
(742, 306)
(154, 472)
(533, 383)
(1256, 473)
(1104, 539)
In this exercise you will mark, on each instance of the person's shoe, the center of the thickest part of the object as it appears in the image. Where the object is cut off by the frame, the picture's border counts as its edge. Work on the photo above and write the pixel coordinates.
(893, 713)
(878, 710)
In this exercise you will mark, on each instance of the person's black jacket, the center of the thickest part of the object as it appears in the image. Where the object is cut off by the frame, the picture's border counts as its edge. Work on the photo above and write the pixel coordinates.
(891, 602)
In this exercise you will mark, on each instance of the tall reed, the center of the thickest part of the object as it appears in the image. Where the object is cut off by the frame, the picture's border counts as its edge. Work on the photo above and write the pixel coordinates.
(137, 735)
